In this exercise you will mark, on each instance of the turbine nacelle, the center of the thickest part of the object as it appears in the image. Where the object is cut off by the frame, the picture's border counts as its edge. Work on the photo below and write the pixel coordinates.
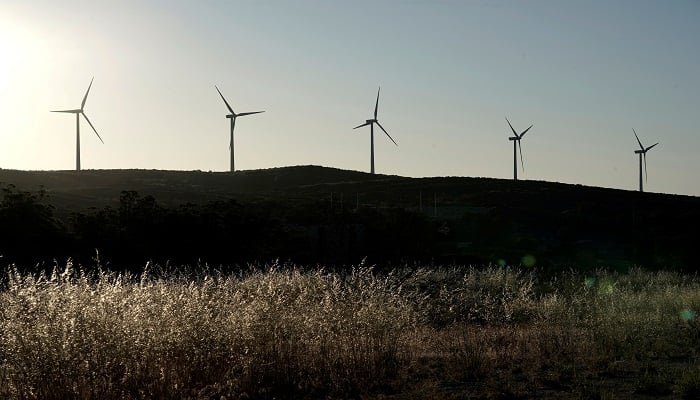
(371, 123)
(78, 112)
(642, 158)
(232, 116)
(517, 145)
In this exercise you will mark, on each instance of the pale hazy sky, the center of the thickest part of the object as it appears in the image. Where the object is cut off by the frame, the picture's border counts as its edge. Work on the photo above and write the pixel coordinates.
(583, 72)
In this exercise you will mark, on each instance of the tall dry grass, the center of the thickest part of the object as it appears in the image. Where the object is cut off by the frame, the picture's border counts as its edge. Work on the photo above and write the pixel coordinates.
(285, 332)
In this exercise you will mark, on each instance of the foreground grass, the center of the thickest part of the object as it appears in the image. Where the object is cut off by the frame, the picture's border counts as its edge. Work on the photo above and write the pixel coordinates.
(283, 332)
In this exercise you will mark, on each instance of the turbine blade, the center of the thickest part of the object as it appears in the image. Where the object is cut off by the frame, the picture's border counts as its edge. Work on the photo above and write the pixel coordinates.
(638, 141)
(511, 128)
(67, 111)
(249, 113)
(650, 147)
(376, 106)
(525, 131)
(522, 163)
(646, 173)
(360, 126)
(233, 126)
(387, 133)
(226, 102)
(93, 128)
(82, 105)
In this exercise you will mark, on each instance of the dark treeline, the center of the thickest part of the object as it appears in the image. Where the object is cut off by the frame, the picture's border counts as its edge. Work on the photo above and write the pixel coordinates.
(220, 234)
(227, 234)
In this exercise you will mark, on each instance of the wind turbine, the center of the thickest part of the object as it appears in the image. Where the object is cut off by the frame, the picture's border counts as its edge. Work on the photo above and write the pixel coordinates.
(78, 113)
(642, 154)
(371, 123)
(233, 117)
(517, 146)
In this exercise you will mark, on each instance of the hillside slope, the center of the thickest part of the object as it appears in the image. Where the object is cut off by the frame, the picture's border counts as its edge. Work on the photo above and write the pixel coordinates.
(341, 216)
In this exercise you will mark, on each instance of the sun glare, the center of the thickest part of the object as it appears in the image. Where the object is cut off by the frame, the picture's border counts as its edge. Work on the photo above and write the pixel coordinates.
(10, 56)
(6, 56)
(16, 64)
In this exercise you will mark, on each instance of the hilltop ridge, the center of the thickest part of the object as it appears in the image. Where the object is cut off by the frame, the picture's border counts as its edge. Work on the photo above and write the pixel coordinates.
(97, 187)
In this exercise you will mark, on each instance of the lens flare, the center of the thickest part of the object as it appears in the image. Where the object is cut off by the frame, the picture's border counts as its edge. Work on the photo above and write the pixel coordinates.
(529, 260)
(688, 315)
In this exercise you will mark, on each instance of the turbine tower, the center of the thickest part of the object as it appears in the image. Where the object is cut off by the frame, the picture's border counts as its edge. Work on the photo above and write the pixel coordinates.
(517, 146)
(78, 113)
(642, 154)
(233, 117)
(371, 123)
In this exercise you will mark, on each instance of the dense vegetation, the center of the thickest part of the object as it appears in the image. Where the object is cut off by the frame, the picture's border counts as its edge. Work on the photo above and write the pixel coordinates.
(333, 217)
(287, 332)
(221, 233)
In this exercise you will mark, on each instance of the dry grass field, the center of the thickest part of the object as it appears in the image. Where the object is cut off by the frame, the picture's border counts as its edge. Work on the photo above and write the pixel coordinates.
(282, 331)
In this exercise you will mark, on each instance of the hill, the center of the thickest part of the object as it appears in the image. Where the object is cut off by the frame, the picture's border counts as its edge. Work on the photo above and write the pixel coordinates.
(318, 214)
(94, 188)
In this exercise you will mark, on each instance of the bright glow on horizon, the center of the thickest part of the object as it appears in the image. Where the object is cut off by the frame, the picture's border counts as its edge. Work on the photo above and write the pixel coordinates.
(9, 54)
(583, 72)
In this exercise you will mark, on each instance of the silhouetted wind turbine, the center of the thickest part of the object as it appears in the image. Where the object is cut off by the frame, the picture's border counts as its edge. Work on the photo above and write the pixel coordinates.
(371, 123)
(517, 146)
(642, 154)
(78, 113)
(233, 117)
